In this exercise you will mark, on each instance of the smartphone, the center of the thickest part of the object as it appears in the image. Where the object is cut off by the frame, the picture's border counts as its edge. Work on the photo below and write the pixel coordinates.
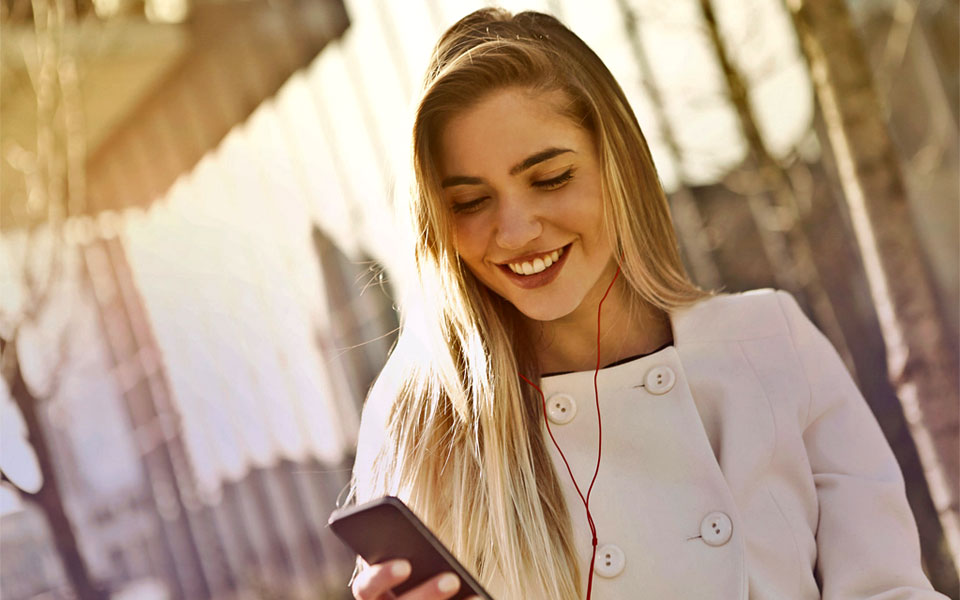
(385, 529)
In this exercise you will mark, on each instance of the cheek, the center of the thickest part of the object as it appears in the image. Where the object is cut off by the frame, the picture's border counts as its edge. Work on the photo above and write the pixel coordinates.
(470, 240)
(583, 212)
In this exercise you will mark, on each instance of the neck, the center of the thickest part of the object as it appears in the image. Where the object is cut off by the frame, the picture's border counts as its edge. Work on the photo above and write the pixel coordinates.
(627, 328)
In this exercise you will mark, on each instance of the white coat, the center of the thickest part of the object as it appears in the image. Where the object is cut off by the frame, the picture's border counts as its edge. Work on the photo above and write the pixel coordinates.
(741, 462)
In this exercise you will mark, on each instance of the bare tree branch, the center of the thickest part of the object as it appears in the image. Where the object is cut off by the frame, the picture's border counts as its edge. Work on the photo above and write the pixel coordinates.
(769, 67)
(55, 188)
(8, 348)
(39, 295)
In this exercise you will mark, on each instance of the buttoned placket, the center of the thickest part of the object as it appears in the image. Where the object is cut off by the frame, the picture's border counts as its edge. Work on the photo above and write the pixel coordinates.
(630, 388)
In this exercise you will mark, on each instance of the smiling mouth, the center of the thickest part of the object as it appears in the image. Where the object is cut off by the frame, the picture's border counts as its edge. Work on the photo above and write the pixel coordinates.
(536, 273)
(538, 265)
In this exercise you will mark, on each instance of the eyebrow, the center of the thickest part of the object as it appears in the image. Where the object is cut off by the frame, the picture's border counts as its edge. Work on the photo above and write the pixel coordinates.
(539, 157)
(521, 166)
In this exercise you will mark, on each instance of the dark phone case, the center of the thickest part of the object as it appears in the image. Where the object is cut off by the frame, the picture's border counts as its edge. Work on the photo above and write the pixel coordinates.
(385, 529)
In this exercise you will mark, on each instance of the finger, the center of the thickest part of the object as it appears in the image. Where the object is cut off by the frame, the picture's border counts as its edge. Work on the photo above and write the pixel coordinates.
(441, 587)
(376, 581)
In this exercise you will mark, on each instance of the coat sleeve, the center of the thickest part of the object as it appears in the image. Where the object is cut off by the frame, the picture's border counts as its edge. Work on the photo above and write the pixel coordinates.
(867, 540)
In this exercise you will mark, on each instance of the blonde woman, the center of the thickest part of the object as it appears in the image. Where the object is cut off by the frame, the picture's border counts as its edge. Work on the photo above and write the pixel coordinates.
(566, 410)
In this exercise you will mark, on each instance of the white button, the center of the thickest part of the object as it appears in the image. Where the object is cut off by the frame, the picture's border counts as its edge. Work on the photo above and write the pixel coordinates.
(609, 561)
(716, 529)
(659, 380)
(561, 409)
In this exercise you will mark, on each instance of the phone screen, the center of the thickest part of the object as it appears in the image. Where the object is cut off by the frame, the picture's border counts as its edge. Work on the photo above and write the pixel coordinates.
(386, 529)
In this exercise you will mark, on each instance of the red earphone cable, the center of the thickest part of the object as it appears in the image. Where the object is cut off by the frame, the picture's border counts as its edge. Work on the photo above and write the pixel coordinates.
(596, 394)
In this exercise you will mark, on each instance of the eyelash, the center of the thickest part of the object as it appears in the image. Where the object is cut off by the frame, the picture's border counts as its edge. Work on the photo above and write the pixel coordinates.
(546, 185)
(468, 207)
(555, 182)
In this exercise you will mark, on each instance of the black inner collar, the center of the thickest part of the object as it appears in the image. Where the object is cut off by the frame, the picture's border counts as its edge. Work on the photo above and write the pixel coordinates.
(619, 362)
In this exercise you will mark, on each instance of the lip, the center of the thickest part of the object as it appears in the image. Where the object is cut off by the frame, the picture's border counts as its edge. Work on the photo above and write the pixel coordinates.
(539, 279)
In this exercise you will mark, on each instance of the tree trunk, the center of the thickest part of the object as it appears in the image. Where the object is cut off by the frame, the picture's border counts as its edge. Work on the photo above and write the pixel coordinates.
(48, 498)
(774, 205)
(686, 214)
(922, 365)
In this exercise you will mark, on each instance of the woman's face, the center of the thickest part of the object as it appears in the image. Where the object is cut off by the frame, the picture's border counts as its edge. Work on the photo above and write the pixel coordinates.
(522, 181)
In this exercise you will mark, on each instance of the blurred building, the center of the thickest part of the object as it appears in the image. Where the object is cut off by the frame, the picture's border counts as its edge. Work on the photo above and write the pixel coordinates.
(157, 95)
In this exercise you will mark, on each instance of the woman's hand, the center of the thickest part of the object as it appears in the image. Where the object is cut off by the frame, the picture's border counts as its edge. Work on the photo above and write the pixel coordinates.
(375, 583)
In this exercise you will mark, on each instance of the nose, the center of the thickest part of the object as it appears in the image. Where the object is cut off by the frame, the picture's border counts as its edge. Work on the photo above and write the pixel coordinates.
(517, 224)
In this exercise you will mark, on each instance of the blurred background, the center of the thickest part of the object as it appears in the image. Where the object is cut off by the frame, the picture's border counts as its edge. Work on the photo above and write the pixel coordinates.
(200, 269)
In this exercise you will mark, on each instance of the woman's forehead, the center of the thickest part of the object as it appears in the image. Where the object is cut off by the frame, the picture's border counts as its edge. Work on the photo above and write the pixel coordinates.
(506, 127)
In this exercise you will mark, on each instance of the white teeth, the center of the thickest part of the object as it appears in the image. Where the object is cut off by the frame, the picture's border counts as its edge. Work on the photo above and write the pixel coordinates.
(538, 264)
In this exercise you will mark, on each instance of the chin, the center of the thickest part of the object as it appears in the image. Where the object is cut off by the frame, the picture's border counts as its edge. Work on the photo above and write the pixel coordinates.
(543, 311)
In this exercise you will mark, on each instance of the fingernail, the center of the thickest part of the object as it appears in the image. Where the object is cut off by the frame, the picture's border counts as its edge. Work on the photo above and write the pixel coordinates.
(400, 568)
(448, 583)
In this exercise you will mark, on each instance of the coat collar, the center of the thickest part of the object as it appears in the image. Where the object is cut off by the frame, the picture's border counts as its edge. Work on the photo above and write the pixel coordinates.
(721, 318)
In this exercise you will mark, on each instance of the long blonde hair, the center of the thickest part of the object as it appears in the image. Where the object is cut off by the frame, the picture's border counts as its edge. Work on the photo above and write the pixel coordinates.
(448, 426)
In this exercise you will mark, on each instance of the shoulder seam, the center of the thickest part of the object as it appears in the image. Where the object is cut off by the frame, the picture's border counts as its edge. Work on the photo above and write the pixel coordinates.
(803, 367)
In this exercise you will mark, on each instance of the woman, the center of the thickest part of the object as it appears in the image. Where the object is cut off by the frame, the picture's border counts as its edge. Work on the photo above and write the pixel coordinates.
(722, 450)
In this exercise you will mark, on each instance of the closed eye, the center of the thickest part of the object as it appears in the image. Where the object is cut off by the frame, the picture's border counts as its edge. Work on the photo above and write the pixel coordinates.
(469, 206)
(555, 182)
